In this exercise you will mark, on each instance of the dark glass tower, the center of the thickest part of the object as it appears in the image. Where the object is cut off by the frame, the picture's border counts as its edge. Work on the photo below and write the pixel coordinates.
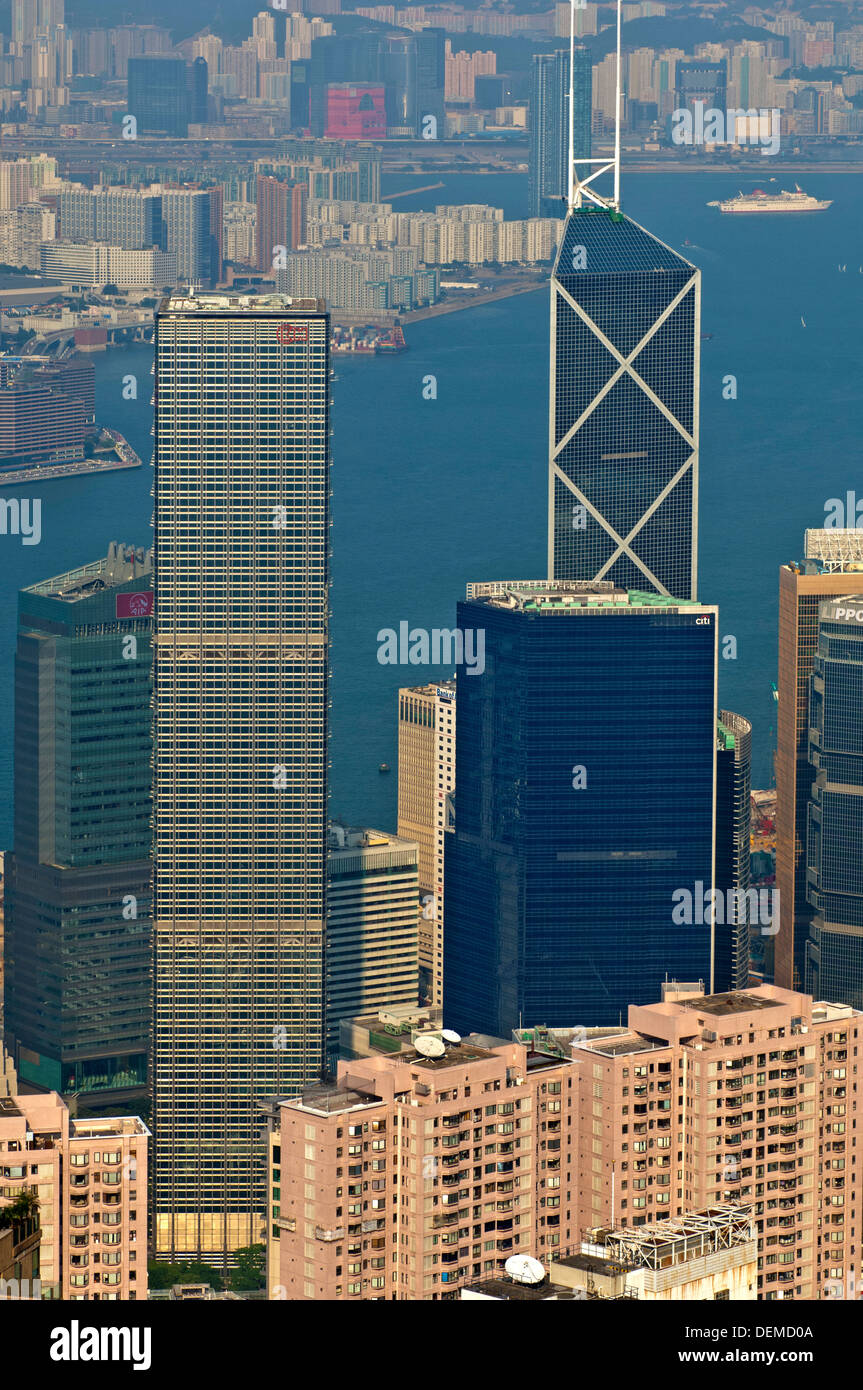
(585, 757)
(733, 817)
(159, 92)
(700, 81)
(548, 118)
(834, 963)
(623, 445)
(78, 906)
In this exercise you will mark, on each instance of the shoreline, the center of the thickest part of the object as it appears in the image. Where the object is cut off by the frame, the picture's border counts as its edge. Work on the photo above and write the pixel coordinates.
(41, 473)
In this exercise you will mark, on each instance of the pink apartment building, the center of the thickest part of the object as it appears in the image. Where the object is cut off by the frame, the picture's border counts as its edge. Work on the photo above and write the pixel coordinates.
(748, 1098)
(91, 1180)
(410, 1175)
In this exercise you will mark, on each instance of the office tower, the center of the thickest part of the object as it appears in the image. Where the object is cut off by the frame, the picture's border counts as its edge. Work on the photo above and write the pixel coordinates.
(78, 894)
(159, 94)
(832, 567)
(484, 1125)
(623, 446)
(548, 120)
(196, 91)
(400, 69)
(241, 563)
(834, 961)
(371, 943)
(431, 83)
(426, 786)
(90, 1178)
(704, 82)
(281, 217)
(186, 219)
(733, 790)
(355, 111)
(585, 753)
(702, 1256)
(738, 1097)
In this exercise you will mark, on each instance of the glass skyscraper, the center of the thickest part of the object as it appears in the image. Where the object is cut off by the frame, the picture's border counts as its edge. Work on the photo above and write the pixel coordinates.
(585, 801)
(548, 121)
(623, 430)
(241, 638)
(834, 859)
(78, 910)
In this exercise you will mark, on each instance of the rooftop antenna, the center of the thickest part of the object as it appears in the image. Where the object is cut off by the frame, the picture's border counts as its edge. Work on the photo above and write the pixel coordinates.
(579, 189)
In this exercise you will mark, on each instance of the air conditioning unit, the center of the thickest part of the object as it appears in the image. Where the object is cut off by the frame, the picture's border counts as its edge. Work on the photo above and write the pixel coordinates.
(710, 1036)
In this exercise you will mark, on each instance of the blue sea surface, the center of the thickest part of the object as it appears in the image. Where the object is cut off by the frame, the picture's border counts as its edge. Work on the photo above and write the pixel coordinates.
(431, 493)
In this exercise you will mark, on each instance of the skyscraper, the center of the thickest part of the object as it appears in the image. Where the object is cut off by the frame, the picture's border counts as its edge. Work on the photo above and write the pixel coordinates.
(585, 805)
(831, 567)
(834, 852)
(78, 892)
(623, 431)
(426, 785)
(159, 95)
(371, 947)
(733, 816)
(241, 552)
(548, 120)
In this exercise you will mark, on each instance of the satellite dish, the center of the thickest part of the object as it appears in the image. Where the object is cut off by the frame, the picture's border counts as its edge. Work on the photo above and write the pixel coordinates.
(524, 1269)
(449, 1035)
(429, 1045)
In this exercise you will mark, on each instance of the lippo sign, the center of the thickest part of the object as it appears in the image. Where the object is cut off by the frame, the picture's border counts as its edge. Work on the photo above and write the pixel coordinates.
(135, 605)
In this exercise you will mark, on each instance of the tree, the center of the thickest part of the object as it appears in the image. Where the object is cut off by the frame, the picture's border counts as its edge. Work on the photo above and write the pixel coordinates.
(249, 1273)
(163, 1276)
(25, 1205)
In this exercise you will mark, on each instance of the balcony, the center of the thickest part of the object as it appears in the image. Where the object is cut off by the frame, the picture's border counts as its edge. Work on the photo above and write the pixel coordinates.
(325, 1234)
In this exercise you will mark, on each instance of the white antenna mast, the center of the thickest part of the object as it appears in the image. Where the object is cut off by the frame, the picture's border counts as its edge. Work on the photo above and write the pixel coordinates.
(578, 189)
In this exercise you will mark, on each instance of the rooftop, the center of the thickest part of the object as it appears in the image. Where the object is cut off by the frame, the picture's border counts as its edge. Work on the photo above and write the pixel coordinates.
(329, 1099)
(121, 564)
(455, 1056)
(836, 547)
(198, 302)
(503, 1288)
(736, 1002)
(563, 596)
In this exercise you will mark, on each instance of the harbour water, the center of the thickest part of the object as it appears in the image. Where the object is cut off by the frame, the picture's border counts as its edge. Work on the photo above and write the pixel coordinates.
(432, 492)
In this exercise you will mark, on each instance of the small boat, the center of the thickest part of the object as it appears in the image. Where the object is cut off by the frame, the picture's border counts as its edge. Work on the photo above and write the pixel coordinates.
(705, 336)
(802, 320)
(384, 767)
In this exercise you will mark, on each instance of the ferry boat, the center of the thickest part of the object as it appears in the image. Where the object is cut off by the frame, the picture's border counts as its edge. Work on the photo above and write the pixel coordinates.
(759, 201)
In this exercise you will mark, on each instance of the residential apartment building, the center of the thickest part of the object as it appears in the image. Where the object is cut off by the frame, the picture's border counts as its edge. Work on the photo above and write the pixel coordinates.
(743, 1097)
(409, 1175)
(90, 1178)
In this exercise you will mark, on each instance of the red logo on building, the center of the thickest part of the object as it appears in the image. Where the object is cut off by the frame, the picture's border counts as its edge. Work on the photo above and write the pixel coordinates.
(293, 333)
(135, 605)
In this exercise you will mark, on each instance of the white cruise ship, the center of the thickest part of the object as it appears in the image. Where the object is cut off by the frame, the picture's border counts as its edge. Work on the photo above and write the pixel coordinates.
(759, 201)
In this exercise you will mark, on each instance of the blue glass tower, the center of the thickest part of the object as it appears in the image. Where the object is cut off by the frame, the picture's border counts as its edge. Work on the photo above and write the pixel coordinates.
(834, 962)
(548, 126)
(623, 419)
(586, 755)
